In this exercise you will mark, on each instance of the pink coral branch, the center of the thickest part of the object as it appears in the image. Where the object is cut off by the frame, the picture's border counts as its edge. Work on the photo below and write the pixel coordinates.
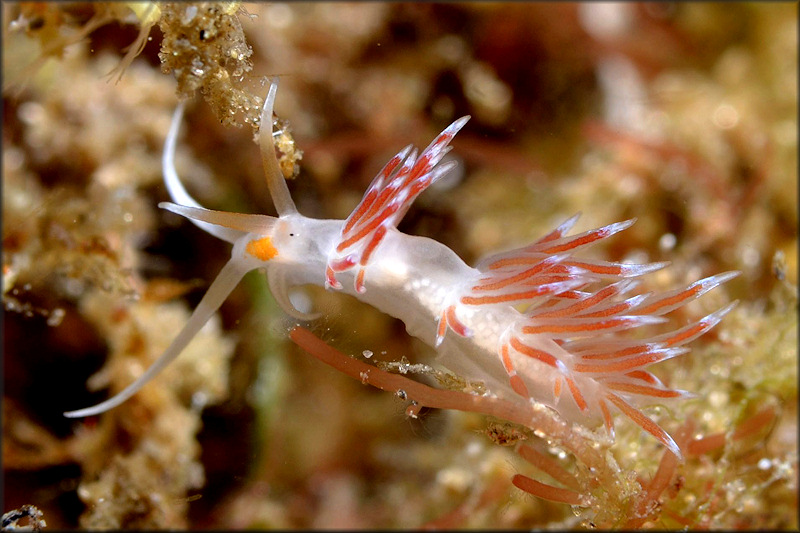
(523, 413)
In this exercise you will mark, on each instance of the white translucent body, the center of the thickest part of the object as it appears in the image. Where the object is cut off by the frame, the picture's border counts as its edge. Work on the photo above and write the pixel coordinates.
(417, 280)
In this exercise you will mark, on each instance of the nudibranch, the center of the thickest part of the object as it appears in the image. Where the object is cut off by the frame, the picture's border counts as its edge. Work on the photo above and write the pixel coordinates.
(533, 324)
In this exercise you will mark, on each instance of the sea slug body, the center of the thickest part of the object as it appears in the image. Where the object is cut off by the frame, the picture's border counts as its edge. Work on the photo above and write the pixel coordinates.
(533, 324)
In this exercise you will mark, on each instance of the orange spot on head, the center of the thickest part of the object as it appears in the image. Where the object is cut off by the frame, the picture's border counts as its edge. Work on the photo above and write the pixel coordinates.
(262, 249)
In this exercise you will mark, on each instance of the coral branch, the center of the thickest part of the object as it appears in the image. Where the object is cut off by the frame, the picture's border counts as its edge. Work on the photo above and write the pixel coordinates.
(527, 414)
(547, 492)
(548, 466)
(648, 507)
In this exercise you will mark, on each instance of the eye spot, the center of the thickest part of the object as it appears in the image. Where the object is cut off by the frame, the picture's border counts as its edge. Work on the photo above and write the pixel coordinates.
(291, 235)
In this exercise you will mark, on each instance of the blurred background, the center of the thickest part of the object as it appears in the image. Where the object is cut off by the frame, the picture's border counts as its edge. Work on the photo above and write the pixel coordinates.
(683, 115)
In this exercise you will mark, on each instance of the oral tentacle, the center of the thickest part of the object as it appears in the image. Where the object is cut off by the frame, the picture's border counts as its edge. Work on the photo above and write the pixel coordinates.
(226, 281)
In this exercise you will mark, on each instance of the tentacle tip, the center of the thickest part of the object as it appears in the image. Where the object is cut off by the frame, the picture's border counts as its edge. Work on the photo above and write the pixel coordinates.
(439, 340)
(171, 206)
(86, 412)
(714, 318)
(677, 453)
(459, 123)
(687, 395)
(729, 275)
(358, 283)
(669, 443)
(331, 283)
(652, 267)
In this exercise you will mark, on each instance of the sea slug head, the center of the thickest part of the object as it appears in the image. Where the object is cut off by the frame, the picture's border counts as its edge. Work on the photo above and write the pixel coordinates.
(259, 241)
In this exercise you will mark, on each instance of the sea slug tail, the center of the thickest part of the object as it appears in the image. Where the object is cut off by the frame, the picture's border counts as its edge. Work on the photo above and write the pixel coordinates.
(574, 328)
